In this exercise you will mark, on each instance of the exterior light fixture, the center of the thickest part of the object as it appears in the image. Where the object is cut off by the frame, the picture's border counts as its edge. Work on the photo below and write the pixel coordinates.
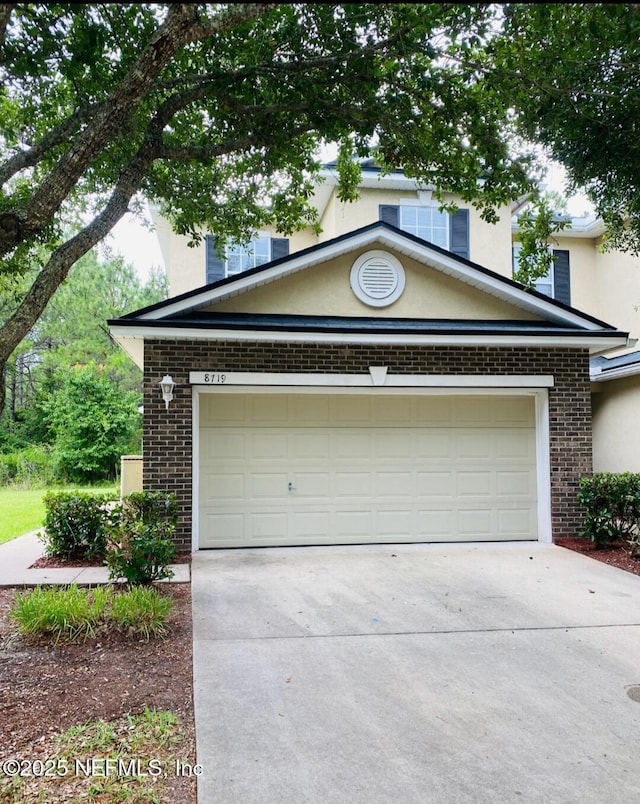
(167, 384)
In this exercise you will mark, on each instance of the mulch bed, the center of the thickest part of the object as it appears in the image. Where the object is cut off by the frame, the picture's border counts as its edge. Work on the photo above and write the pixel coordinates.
(616, 554)
(47, 688)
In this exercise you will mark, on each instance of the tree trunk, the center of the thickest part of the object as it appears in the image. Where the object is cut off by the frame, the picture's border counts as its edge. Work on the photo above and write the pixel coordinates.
(55, 271)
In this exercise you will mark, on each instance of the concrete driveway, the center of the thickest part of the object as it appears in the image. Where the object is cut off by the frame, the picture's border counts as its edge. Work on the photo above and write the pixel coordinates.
(415, 673)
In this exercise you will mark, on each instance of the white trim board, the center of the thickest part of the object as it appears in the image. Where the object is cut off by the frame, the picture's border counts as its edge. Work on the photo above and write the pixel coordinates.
(373, 379)
(594, 341)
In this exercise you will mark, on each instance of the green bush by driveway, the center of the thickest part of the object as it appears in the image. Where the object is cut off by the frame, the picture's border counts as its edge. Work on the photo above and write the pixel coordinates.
(23, 509)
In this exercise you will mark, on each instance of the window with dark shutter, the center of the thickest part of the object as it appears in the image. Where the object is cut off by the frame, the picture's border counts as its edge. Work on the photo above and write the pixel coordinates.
(279, 247)
(458, 227)
(215, 265)
(389, 213)
(459, 233)
(561, 276)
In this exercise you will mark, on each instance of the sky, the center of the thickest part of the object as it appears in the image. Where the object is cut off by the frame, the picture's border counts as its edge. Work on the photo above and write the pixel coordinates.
(137, 245)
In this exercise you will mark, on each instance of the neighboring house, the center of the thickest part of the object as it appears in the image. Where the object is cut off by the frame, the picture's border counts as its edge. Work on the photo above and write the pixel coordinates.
(385, 382)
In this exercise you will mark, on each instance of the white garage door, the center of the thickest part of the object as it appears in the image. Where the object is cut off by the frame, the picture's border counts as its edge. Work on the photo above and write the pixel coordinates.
(295, 469)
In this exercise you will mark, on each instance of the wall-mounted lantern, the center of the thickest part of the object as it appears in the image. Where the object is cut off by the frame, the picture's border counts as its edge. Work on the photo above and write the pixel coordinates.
(167, 384)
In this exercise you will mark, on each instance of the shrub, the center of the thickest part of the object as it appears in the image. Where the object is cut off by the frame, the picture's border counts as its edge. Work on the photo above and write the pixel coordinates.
(76, 524)
(141, 546)
(612, 502)
(72, 614)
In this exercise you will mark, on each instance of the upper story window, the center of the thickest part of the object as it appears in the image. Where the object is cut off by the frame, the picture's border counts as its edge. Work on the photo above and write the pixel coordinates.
(556, 283)
(450, 232)
(427, 223)
(543, 284)
(242, 257)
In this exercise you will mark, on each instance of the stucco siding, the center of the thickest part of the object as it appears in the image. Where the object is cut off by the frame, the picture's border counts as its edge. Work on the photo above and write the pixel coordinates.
(325, 290)
(616, 435)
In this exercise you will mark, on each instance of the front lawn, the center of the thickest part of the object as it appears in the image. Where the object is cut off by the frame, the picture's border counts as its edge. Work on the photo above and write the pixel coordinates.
(22, 510)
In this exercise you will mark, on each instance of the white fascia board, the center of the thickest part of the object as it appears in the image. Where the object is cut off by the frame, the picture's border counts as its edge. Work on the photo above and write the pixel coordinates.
(614, 374)
(596, 344)
(442, 262)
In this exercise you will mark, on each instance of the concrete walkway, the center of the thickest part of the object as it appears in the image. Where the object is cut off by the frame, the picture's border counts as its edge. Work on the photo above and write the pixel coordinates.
(424, 674)
(17, 556)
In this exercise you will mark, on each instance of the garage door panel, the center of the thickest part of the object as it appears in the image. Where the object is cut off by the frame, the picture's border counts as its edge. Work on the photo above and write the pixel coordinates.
(224, 529)
(366, 469)
(270, 486)
(471, 412)
(438, 523)
(395, 484)
(392, 524)
(392, 444)
(514, 523)
(473, 445)
(353, 525)
(227, 486)
(353, 484)
(434, 484)
(516, 484)
(316, 445)
(268, 446)
(219, 410)
(311, 484)
(314, 523)
(267, 525)
(514, 444)
(513, 410)
(434, 444)
(225, 446)
(476, 522)
(310, 410)
(474, 484)
(433, 411)
(392, 411)
(352, 445)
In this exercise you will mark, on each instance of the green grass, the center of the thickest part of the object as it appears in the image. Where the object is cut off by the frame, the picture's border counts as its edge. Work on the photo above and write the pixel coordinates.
(23, 509)
(141, 753)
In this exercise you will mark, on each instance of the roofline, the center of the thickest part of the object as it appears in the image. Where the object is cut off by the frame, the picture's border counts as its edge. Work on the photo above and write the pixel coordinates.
(584, 227)
(125, 333)
(443, 260)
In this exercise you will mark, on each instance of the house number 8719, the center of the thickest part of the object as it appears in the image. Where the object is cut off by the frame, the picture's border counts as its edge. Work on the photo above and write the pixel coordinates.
(216, 379)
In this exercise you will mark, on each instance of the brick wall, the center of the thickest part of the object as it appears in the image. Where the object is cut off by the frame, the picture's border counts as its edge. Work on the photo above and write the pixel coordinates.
(167, 443)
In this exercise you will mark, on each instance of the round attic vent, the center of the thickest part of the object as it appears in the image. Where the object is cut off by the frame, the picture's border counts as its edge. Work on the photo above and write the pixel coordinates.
(377, 278)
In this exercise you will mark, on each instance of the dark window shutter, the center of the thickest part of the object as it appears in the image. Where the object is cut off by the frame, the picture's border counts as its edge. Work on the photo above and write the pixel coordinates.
(561, 276)
(459, 233)
(215, 265)
(279, 247)
(389, 213)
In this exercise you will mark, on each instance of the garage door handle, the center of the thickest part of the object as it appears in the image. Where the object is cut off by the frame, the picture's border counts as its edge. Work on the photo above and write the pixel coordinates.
(291, 486)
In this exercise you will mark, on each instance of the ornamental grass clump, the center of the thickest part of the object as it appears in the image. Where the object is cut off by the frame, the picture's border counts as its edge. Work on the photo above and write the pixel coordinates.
(140, 611)
(60, 613)
(70, 614)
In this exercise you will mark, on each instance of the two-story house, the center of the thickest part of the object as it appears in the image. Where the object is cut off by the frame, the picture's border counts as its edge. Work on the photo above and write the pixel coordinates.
(386, 381)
